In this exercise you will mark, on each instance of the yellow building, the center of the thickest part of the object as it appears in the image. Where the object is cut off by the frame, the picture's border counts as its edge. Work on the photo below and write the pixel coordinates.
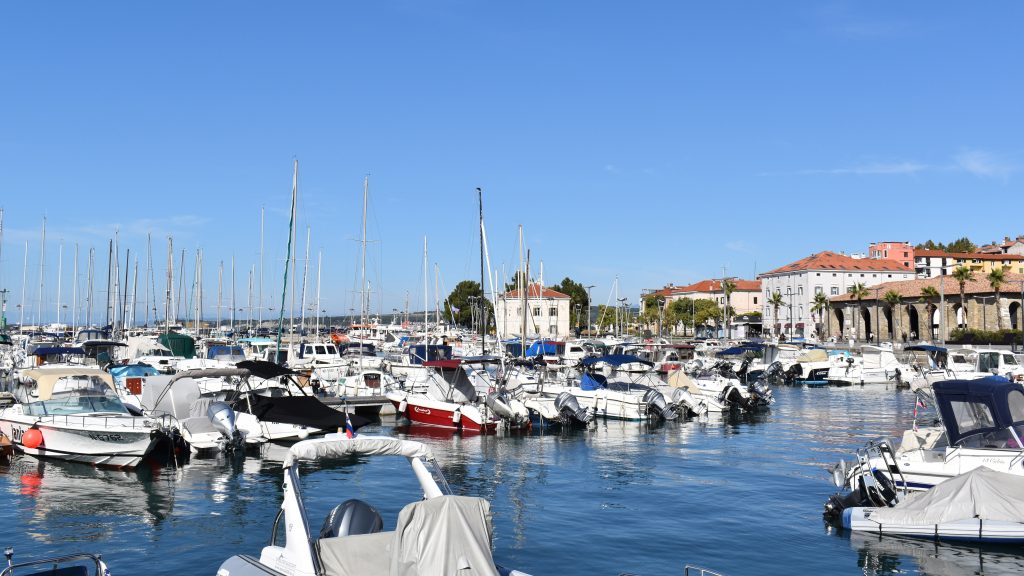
(931, 263)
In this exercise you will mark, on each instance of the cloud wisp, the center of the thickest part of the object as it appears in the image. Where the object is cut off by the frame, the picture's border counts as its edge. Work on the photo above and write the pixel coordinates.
(978, 163)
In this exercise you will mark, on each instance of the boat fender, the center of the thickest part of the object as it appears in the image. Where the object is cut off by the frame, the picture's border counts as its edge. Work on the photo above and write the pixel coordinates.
(32, 438)
(402, 406)
(456, 416)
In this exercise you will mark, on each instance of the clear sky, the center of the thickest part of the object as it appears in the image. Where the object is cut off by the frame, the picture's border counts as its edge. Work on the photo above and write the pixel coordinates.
(653, 141)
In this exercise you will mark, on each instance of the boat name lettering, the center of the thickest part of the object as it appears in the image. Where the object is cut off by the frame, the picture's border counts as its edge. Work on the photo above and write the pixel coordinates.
(421, 410)
(113, 437)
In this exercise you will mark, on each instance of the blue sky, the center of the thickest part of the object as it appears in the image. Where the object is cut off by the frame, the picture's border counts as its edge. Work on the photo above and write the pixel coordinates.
(653, 141)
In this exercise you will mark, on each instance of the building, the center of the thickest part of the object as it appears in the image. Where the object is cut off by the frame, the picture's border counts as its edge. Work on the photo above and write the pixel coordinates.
(547, 313)
(901, 252)
(825, 273)
(745, 298)
(922, 317)
(1007, 246)
(932, 263)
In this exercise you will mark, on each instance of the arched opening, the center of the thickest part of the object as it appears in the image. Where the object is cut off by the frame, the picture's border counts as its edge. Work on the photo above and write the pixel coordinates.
(868, 329)
(914, 322)
(840, 322)
(936, 321)
(1015, 316)
(889, 327)
(961, 316)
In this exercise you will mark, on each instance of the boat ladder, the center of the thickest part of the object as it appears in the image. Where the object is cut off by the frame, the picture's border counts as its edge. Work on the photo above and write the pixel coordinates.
(690, 569)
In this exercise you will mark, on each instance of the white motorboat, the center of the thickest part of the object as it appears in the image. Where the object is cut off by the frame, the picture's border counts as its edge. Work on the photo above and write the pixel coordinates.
(723, 388)
(618, 395)
(74, 413)
(981, 505)
(981, 422)
(878, 365)
(437, 534)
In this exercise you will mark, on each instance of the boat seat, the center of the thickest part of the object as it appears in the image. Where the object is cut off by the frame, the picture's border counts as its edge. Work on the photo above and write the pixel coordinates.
(350, 518)
(357, 555)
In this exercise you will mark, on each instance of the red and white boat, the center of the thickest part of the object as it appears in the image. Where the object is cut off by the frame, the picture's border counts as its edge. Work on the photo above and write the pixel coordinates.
(451, 404)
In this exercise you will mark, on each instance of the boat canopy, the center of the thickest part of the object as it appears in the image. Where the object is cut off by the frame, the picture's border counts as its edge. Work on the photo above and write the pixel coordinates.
(320, 448)
(224, 350)
(45, 378)
(593, 381)
(925, 348)
(813, 355)
(983, 406)
(179, 344)
(420, 353)
(981, 493)
(738, 350)
(545, 348)
(616, 360)
(264, 369)
(132, 370)
(58, 351)
(5, 339)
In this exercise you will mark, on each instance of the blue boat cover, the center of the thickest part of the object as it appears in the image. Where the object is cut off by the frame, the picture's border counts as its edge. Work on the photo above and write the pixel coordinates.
(51, 350)
(962, 405)
(743, 349)
(222, 350)
(593, 381)
(542, 347)
(924, 348)
(420, 353)
(616, 360)
(131, 370)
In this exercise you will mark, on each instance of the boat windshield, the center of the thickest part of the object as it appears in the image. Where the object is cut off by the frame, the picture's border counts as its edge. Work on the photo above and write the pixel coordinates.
(1009, 360)
(78, 395)
(988, 361)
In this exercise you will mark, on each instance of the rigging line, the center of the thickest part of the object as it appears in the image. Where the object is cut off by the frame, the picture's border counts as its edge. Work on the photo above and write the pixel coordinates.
(288, 256)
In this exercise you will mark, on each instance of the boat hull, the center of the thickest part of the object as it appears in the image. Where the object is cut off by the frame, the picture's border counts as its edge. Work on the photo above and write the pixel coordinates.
(426, 411)
(75, 440)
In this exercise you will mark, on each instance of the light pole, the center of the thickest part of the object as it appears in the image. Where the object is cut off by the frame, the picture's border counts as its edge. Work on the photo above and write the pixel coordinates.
(876, 334)
(622, 306)
(789, 294)
(588, 309)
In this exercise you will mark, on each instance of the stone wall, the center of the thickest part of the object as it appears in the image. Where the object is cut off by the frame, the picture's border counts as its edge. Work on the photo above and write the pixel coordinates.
(981, 315)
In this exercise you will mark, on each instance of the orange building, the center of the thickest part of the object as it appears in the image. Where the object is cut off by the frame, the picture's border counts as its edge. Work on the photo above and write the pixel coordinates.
(901, 252)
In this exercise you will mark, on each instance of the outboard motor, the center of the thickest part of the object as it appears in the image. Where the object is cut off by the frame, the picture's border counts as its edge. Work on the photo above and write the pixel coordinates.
(350, 518)
(760, 394)
(223, 418)
(795, 371)
(683, 398)
(657, 406)
(569, 408)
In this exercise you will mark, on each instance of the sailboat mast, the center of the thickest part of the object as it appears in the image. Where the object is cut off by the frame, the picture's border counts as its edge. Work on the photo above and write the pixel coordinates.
(90, 295)
(124, 299)
(24, 282)
(288, 255)
(232, 315)
(319, 263)
(42, 267)
(220, 291)
(362, 277)
(426, 291)
(305, 275)
(260, 303)
(483, 291)
(60, 272)
(74, 292)
(170, 284)
(291, 257)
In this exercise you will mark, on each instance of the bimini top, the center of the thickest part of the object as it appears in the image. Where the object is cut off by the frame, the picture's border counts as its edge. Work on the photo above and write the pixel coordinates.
(58, 350)
(925, 348)
(616, 360)
(737, 350)
(45, 378)
(321, 448)
(971, 407)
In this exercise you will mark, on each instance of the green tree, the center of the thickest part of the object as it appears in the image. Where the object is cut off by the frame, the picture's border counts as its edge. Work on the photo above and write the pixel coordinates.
(961, 245)
(605, 316)
(776, 301)
(858, 292)
(680, 312)
(706, 312)
(578, 304)
(893, 299)
(820, 305)
(927, 294)
(461, 303)
(995, 279)
(728, 287)
(514, 284)
(963, 275)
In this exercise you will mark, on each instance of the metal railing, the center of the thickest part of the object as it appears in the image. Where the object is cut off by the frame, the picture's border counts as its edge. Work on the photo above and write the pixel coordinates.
(93, 559)
(690, 569)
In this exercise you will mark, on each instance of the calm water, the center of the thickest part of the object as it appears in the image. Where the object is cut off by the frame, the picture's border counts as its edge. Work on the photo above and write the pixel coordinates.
(743, 496)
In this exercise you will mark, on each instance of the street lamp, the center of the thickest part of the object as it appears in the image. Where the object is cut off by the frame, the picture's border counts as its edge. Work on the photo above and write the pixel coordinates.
(789, 294)
(589, 330)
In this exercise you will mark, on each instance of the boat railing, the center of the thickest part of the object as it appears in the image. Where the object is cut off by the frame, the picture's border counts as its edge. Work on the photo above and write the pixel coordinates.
(691, 570)
(108, 421)
(93, 559)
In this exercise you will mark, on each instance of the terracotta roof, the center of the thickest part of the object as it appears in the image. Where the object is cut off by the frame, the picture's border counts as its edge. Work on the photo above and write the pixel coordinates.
(535, 290)
(832, 261)
(912, 288)
(967, 255)
(708, 286)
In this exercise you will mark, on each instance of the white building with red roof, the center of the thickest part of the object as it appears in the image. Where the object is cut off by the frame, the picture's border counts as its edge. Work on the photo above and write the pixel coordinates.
(547, 313)
(827, 273)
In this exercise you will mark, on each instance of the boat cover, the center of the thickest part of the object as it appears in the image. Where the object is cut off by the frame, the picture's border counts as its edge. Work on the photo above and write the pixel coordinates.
(544, 347)
(593, 381)
(924, 348)
(444, 535)
(170, 395)
(813, 355)
(45, 378)
(264, 369)
(981, 493)
(616, 360)
(970, 407)
(297, 410)
(320, 448)
(179, 344)
(679, 379)
(58, 350)
(142, 346)
(130, 370)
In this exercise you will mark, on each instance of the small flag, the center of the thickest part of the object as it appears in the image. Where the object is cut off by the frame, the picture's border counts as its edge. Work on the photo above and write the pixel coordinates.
(920, 403)
(349, 431)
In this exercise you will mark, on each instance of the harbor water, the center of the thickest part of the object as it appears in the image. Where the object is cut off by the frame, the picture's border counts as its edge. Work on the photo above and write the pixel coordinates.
(740, 495)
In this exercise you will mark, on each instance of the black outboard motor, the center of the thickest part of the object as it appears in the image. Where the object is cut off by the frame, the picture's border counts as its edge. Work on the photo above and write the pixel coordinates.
(795, 371)
(569, 409)
(656, 405)
(350, 518)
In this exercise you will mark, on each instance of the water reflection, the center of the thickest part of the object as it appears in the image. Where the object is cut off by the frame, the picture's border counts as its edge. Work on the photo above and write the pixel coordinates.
(883, 555)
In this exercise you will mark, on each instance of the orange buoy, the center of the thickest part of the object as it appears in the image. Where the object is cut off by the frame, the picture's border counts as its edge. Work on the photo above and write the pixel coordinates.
(32, 438)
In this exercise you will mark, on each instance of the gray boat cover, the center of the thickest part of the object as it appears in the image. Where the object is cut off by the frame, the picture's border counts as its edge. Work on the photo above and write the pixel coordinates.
(449, 535)
(981, 493)
(168, 395)
(319, 448)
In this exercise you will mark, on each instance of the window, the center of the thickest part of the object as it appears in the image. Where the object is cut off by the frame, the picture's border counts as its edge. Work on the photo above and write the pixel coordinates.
(834, 291)
(755, 300)
(890, 275)
(818, 290)
(834, 274)
(971, 416)
(552, 330)
(800, 291)
(536, 310)
(817, 273)
(906, 255)
(553, 311)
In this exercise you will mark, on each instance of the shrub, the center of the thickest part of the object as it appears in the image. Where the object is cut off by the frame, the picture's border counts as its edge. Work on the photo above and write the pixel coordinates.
(999, 337)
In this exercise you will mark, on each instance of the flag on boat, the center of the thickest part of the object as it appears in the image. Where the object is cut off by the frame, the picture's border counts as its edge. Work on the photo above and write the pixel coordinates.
(920, 403)
(349, 430)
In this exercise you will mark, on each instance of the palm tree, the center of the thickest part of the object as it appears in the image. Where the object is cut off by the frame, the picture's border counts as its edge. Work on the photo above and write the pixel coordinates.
(995, 279)
(927, 293)
(728, 287)
(820, 305)
(776, 301)
(963, 275)
(893, 298)
(858, 291)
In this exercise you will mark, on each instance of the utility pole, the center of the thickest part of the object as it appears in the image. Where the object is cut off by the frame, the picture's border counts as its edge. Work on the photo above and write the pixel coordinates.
(3, 309)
